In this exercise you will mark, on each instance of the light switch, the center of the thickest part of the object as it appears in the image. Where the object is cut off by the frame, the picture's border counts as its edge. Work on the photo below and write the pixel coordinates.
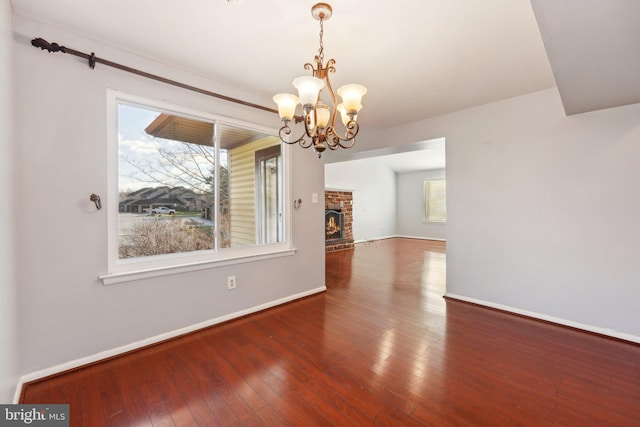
(314, 198)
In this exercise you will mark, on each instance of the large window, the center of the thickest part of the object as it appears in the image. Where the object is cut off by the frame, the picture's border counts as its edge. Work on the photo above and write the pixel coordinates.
(435, 202)
(192, 185)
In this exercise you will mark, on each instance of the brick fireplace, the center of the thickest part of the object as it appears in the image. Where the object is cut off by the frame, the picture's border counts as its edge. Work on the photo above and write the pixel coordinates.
(338, 212)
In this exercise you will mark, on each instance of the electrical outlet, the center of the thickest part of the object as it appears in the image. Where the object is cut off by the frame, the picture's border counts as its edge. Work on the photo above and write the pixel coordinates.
(231, 282)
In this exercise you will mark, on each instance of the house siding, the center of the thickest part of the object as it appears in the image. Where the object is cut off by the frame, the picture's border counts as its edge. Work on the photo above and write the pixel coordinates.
(242, 182)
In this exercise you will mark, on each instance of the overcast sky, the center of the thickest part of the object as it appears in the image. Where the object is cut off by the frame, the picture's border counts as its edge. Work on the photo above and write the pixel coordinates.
(133, 143)
(136, 146)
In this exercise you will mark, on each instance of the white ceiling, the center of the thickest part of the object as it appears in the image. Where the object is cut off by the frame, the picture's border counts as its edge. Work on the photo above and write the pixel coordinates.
(418, 58)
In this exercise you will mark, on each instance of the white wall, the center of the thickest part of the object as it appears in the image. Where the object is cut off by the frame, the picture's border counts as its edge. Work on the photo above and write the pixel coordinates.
(374, 195)
(64, 311)
(410, 210)
(542, 208)
(8, 326)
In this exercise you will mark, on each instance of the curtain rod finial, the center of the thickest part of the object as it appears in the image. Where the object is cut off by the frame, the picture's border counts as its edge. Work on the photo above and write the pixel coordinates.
(45, 45)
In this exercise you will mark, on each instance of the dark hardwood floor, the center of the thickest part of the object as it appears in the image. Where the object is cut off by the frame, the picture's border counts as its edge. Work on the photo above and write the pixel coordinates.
(381, 347)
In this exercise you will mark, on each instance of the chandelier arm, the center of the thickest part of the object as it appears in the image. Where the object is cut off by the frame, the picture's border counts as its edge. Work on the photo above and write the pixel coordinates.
(353, 142)
(338, 144)
(331, 69)
(286, 131)
(337, 141)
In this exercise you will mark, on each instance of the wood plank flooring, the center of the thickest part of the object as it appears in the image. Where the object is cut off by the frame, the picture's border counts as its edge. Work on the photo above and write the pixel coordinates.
(381, 347)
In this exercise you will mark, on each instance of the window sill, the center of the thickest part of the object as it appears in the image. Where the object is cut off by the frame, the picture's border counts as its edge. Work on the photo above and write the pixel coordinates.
(130, 276)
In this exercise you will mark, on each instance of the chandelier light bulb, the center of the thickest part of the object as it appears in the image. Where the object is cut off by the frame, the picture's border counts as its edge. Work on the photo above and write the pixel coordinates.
(352, 96)
(310, 120)
(308, 89)
(287, 104)
(323, 115)
(344, 115)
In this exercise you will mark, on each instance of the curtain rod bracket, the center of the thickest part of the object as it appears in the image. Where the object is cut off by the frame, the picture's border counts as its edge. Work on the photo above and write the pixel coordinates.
(92, 60)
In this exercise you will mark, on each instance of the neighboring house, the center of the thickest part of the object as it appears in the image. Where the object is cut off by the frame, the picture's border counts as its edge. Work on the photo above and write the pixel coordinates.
(178, 198)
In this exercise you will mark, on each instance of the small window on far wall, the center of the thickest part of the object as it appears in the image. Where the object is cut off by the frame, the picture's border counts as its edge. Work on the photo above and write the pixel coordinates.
(435, 202)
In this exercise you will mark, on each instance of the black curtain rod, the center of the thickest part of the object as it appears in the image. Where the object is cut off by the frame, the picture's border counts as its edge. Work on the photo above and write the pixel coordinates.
(93, 60)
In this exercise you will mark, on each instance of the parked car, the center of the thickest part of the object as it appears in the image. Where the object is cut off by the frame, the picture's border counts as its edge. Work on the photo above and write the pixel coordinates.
(161, 210)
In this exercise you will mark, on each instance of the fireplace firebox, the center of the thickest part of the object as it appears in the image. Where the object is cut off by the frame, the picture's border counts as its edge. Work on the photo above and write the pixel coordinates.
(333, 224)
(338, 220)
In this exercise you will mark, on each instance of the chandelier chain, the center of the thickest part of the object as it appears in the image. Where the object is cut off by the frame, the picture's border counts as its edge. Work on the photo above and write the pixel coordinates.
(321, 50)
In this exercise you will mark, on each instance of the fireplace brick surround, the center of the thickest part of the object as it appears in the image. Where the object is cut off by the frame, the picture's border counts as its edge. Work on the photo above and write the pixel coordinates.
(340, 201)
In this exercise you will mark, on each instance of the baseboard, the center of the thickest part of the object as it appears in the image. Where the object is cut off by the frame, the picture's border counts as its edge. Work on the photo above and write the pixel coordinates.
(421, 238)
(372, 240)
(551, 319)
(77, 363)
(400, 237)
(16, 395)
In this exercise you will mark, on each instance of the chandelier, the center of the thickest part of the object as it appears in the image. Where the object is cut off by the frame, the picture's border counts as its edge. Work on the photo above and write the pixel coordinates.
(319, 118)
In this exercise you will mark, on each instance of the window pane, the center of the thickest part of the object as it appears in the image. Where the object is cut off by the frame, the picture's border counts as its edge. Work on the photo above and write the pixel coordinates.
(166, 172)
(268, 163)
(252, 190)
(435, 198)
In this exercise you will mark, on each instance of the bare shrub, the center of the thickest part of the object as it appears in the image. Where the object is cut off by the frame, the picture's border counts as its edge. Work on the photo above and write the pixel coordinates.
(155, 236)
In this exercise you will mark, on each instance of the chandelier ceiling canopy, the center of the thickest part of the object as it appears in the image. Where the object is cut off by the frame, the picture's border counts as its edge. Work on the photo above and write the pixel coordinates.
(319, 117)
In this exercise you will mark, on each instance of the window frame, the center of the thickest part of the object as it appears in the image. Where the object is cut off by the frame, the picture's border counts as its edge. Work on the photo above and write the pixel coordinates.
(427, 202)
(129, 269)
